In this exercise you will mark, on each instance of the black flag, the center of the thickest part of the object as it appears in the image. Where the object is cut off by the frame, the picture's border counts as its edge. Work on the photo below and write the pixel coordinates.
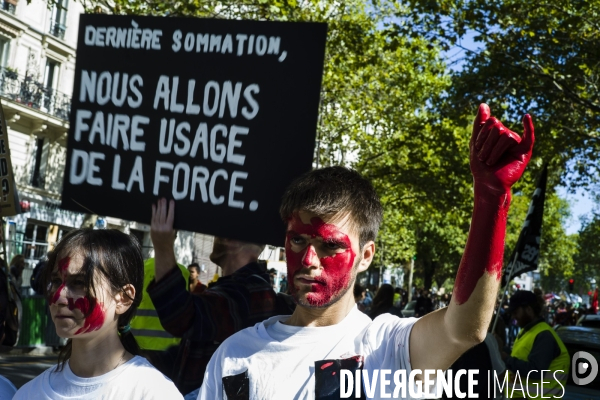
(527, 250)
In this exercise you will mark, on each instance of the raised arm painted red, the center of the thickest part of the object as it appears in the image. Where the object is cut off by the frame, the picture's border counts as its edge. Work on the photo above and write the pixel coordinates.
(498, 158)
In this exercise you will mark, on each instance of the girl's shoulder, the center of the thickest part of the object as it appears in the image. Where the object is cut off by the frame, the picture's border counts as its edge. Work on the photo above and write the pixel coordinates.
(137, 379)
(139, 366)
(141, 380)
(35, 388)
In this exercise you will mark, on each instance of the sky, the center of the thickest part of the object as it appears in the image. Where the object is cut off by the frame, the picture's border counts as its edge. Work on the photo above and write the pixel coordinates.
(581, 204)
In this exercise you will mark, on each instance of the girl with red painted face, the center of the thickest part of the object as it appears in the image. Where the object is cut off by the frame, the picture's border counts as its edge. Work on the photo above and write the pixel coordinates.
(94, 287)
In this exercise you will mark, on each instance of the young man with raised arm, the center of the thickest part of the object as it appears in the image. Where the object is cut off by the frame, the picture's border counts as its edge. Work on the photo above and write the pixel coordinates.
(332, 217)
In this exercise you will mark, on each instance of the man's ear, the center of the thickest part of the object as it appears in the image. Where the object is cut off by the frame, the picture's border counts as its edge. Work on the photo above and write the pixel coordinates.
(368, 252)
(124, 299)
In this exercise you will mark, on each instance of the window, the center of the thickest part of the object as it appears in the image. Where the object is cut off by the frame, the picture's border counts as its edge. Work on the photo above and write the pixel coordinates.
(51, 74)
(38, 167)
(50, 85)
(35, 241)
(59, 19)
(4, 51)
(282, 254)
(8, 5)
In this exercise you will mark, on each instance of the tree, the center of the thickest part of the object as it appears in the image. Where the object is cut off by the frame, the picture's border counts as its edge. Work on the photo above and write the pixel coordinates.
(557, 249)
(587, 259)
(385, 111)
(542, 57)
(374, 111)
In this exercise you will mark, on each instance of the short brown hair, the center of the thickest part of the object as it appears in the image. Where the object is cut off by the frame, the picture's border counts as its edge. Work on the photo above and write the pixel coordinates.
(332, 191)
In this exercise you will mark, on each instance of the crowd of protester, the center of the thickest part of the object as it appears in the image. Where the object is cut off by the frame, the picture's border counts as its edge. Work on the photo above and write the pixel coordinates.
(386, 298)
(96, 282)
(373, 301)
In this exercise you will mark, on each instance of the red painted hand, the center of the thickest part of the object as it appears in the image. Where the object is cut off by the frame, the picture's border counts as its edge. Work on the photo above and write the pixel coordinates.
(498, 155)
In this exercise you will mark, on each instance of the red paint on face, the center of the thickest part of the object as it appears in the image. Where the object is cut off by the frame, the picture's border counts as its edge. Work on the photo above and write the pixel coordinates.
(336, 269)
(94, 311)
(63, 265)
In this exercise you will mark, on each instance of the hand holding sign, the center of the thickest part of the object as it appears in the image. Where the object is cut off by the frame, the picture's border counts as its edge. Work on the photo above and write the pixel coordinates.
(163, 237)
(161, 228)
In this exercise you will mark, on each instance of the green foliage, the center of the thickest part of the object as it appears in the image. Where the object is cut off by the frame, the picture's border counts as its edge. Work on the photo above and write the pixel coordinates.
(391, 110)
(588, 257)
(374, 114)
(540, 57)
(558, 249)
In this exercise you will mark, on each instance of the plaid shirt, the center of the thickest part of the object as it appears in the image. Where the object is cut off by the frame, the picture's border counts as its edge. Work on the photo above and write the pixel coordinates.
(205, 320)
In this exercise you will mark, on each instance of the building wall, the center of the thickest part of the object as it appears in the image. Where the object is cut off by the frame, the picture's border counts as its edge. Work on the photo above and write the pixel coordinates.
(39, 115)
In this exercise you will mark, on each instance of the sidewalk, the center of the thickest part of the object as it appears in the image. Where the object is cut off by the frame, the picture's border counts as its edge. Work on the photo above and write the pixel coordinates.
(20, 365)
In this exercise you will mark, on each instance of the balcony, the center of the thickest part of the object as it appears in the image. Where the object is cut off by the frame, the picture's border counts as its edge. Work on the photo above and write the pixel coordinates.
(57, 29)
(8, 6)
(29, 92)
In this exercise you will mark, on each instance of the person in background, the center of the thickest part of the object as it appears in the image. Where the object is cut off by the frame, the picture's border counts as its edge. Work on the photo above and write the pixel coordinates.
(196, 287)
(424, 304)
(10, 302)
(359, 296)
(3, 300)
(384, 302)
(95, 286)
(157, 344)
(273, 277)
(36, 282)
(571, 314)
(537, 348)
(283, 284)
(17, 266)
(242, 297)
(398, 297)
(539, 294)
(333, 216)
(485, 358)
(561, 316)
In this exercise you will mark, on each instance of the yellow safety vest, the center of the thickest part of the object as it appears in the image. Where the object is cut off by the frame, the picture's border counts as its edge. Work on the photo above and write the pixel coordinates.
(558, 371)
(146, 326)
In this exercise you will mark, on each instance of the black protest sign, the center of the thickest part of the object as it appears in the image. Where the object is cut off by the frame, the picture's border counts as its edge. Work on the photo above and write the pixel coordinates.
(219, 115)
(525, 255)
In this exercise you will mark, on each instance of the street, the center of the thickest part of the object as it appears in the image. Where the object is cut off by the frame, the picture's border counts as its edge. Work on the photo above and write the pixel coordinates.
(20, 369)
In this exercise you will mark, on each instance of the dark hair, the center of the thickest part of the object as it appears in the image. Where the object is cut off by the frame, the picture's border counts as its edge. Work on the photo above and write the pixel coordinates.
(358, 290)
(383, 301)
(194, 265)
(540, 303)
(118, 258)
(334, 190)
(17, 259)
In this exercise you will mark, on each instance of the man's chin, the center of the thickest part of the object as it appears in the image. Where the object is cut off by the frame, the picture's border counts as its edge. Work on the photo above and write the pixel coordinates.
(315, 300)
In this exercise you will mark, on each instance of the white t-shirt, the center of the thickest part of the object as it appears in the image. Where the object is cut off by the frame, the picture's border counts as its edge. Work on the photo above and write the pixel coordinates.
(134, 380)
(7, 389)
(275, 361)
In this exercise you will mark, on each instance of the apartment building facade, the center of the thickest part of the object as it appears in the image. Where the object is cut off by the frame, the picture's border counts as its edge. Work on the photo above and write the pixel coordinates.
(37, 66)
